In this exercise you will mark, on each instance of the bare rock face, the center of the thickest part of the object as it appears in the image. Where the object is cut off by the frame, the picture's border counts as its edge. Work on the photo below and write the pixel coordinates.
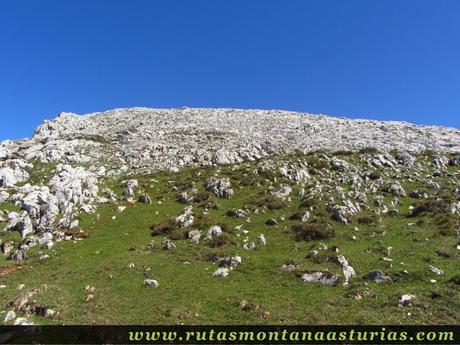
(45, 208)
(13, 171)
(168, 139)
(73, 187)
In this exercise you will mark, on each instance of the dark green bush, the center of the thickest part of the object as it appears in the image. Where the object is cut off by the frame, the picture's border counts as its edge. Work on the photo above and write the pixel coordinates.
(219, 241)
(369, 150)
(374, 175)
(270, 202)
(201, 196)
(307, 202)
(178, 234)
(365, 220)
(166, 227)
(202, 221)
(313, 231)
(428, 207)
(297, 216)
(342, 153)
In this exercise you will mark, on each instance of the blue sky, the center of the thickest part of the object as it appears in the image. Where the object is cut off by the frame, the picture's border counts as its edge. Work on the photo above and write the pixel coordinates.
(395, 60)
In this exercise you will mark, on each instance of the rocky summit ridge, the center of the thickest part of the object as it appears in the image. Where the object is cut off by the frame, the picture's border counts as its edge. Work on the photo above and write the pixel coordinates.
(147, 139)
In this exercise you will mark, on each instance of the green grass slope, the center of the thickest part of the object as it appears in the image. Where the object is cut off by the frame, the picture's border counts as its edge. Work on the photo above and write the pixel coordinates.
(258, 291)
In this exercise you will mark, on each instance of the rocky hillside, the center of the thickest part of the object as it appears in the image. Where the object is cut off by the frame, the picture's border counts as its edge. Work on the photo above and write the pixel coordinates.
(351, 216)
(168, 139)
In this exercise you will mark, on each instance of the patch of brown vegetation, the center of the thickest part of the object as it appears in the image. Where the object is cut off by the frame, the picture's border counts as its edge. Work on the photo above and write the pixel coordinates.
(76, 233)
(9, 269)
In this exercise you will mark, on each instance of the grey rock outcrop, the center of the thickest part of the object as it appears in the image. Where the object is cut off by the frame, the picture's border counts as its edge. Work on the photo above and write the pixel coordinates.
(194, 236)
(220, 187)
(396, 189)
(378, 276)
(283, 192)
(321, 278)
(185, 219)
(215, 230)
(221, 272)
(230, 262)
(347, 270)
(14, 171)
(455, 161)
(129, 189)
(73, 187)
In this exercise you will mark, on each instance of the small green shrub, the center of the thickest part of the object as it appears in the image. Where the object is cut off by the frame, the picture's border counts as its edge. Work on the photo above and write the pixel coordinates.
(366, 220)
(178, 234)
(297, 216)
(307, 202)
(220, 241)
(374, 175)
(202, 222)
(270, 202)
(369, 150)
(428, 207)
(342, 153)
(163, 228)
(313, 231)
(201, 196)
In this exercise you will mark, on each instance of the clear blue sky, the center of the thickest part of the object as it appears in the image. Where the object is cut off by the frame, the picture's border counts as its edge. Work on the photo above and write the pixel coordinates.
(395, 60)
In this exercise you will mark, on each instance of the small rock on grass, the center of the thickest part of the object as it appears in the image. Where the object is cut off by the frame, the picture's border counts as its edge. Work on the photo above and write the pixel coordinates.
(378, 276)
(322, 278)
(435, 270)
(22, 321)
(151, 282)
(262, 239)
(406, 300)
(10, 316)
(221, 272)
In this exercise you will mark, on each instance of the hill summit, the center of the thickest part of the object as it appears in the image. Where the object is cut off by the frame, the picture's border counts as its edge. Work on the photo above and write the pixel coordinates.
(167, 139)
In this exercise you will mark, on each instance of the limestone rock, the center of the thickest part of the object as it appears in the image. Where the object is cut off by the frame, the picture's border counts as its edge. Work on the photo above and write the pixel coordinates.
(322, 278)
(378, 276)
(220, 187)
(10, 316)
(221, 272)
(14, 171)
(406, 300)
(151, 282)
(194, 236)
(215, 230)
(129, 188)
(186, 218)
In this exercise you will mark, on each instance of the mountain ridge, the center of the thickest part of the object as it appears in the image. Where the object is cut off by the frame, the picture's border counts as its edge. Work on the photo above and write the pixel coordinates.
(149, 139)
